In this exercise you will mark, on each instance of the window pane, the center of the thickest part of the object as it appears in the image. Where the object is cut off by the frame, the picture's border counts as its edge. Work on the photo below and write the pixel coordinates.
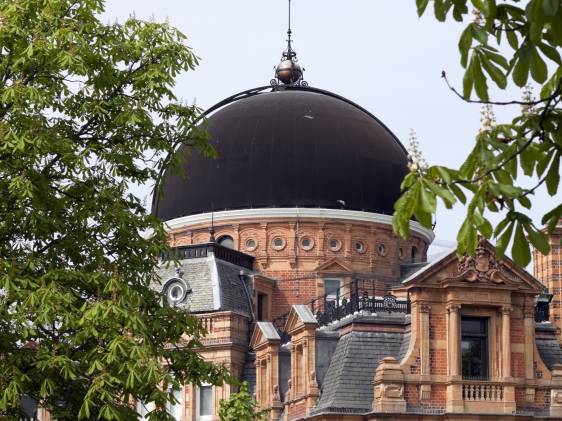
(205, 400)
(226, 241)
(331, 287)
(474, 348)
(176, 410)
(473, 325)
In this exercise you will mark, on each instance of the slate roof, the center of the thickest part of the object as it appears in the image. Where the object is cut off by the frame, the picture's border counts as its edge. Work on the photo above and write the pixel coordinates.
(304, 313)
(215, 285)
(269, 331)
(348, 384)
(549, 348)
(326, 343)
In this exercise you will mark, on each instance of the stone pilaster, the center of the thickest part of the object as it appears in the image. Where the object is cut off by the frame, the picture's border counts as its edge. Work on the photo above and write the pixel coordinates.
(389, 387)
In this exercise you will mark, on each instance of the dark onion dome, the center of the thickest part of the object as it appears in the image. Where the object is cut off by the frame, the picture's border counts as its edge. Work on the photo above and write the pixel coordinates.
(289, 147)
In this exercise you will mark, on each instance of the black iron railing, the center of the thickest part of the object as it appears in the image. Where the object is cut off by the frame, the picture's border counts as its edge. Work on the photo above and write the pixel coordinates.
(203, 250)
(356, 296)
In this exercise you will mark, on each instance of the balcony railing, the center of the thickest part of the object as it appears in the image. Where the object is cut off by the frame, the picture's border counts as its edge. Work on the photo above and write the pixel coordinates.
(482, 392)
(203, 250)
(348, 300)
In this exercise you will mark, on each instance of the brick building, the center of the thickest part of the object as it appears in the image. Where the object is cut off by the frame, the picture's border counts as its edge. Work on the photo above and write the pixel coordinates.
(286, 254)
(314, 301)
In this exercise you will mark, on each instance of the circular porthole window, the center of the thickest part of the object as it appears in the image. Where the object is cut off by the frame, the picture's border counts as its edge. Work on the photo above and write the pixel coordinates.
(278, 243)
(335, 244)
(360, 247)
(382, 249)
(176, 291)
(307, 243)
(251, 244)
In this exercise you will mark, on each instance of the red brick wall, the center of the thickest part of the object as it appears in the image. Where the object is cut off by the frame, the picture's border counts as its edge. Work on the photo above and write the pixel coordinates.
(540, 404)
(436, 403)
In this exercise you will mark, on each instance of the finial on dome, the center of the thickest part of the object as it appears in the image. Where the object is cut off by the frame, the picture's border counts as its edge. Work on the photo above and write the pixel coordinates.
(288, 71)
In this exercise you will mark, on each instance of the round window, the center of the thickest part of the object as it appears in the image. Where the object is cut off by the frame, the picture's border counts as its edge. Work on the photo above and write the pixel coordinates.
(176, 291)
(251, 244)
(335, 244)
(278, 243)
(360, 247)
(382, 249)
(307, 243)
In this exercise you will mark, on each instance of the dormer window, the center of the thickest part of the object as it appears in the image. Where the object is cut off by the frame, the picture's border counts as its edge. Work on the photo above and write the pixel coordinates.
(474, 348)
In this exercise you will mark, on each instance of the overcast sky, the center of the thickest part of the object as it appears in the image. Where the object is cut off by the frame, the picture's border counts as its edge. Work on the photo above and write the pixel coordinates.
(377, 53)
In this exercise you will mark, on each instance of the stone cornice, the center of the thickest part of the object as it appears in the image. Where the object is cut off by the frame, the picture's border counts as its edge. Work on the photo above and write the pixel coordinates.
(281, 213)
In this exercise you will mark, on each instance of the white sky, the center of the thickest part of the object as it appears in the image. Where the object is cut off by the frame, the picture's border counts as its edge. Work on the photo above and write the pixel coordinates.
(377, 53)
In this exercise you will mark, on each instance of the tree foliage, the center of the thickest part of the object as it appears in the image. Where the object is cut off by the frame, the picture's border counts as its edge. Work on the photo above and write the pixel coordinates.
(508, 42)
(86, 109)
(241, 406)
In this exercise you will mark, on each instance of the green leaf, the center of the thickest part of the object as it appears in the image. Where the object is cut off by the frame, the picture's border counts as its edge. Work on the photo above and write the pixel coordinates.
(480, 84)
(520, 250)
(421, 6)
(550, 52)
(468, 80)
(553, 176)
(521, 69)
(504, 239)
(465, 42)
(551, 218)
(550, 7)
(524, 200)
(512, 40)
(538, 67)
(495, 73)
(458, 193)
(538, 239)
(556, 27)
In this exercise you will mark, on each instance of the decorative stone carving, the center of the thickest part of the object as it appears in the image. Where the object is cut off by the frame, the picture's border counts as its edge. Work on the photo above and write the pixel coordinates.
(425, 308)
(482, 267)
(276, 396)
(288, 392)
(392, 391)
(389, 387)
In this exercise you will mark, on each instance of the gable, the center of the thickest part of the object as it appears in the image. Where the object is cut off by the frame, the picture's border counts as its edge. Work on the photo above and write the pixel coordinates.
(264, 332)
(482, 270)
(299, 317)
(334, 265)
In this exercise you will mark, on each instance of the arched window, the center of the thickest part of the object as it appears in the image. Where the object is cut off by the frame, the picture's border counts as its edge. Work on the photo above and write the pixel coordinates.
(226, 241)
(414, 253)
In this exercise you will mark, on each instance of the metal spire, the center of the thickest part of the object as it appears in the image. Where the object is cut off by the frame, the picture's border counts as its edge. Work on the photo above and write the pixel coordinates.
(290, 52)
(288, 71)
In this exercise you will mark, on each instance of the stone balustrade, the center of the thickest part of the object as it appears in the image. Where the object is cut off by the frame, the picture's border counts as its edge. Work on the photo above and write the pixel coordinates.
(482, 392)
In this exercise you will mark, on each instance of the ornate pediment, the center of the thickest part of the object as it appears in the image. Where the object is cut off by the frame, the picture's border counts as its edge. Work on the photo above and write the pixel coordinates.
(482, 267)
